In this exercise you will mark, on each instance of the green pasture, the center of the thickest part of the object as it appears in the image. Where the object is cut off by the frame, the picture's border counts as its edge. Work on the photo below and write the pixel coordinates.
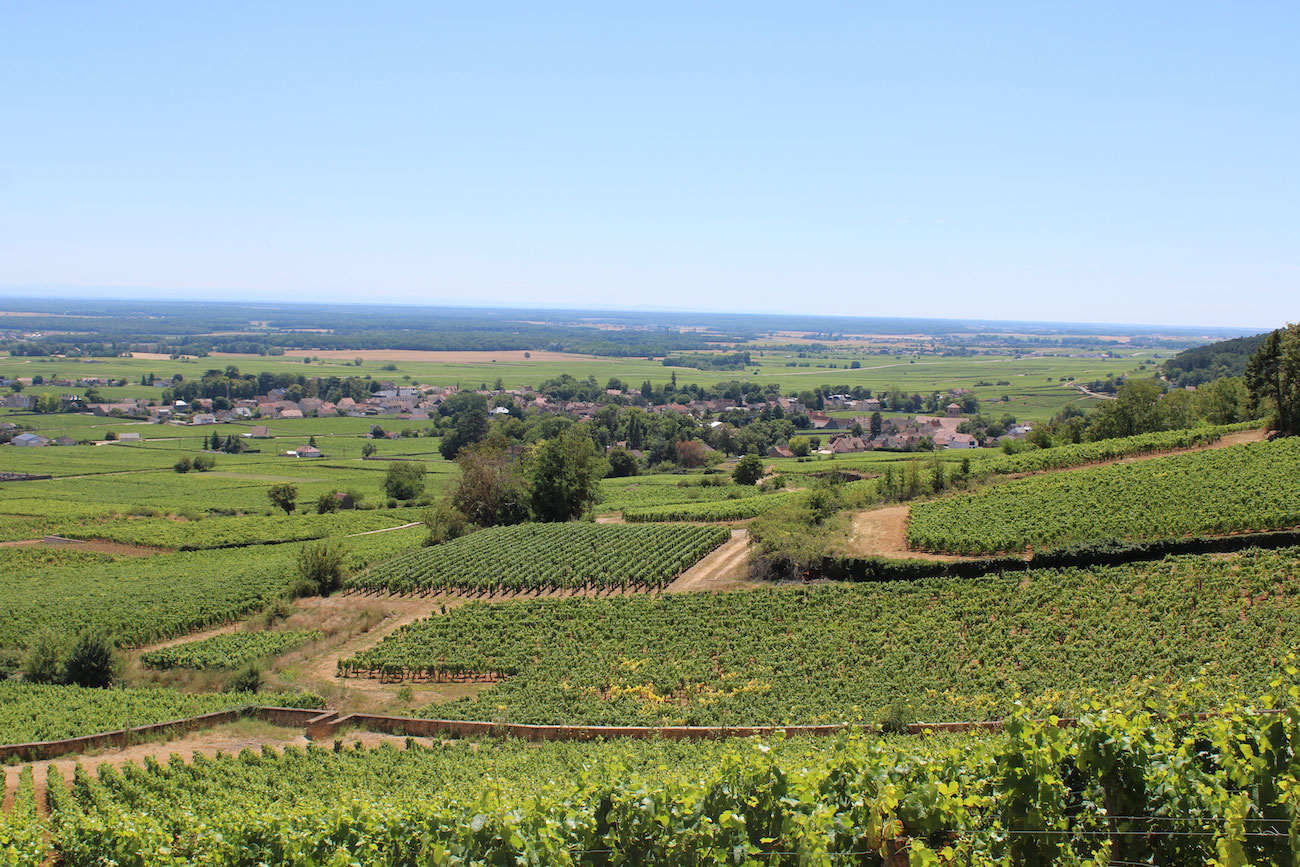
(1035, 386)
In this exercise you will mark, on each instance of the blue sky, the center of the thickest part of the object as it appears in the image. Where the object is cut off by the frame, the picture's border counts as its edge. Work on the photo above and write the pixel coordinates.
(1121, 162)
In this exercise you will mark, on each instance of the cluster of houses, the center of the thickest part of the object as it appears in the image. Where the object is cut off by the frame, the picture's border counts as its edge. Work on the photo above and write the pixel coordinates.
(420, 402)
(405, 402)
(901, 433)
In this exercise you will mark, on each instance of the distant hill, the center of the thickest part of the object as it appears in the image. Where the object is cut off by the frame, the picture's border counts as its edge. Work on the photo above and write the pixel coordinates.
(1212, 361)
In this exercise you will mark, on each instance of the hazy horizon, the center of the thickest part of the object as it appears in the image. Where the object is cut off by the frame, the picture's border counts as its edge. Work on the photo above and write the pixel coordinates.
(70, 294)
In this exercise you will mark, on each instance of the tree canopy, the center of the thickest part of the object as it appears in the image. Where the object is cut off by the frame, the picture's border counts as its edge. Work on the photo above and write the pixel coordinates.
(566, 475)
(1273, 377)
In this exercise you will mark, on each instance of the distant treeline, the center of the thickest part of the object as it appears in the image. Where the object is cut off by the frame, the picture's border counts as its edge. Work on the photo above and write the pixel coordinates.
(109, 328)
(705, 361)
(1213, 361)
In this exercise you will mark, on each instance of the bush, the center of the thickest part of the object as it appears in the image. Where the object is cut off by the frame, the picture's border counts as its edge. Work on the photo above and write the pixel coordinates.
(321, 569)
(445, 522)
(283, 496)
(92, 661)
(327, 503)
(43, 662)
(246, 679)
(404, 480)
(748, 470)
(184, 465)
(622, 464)
(896, 717)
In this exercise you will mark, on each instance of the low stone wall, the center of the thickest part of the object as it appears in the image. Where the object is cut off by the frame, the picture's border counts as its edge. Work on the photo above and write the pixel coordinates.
(42, 750)
(326, 724)
(415, 727)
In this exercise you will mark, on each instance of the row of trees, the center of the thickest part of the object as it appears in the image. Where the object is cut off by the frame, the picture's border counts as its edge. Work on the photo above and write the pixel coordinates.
(1142, 406)
(230, 384)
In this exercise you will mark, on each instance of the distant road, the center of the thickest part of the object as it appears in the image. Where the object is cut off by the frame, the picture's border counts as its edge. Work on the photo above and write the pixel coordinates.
(1087, 393)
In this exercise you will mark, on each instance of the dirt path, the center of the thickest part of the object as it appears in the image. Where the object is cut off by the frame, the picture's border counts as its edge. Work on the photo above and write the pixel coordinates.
(229, 739)
(98, 546)
(321, 670)
(723, 568)
(189, 636)
(384, 530)
(1086, 393)
(611, 518)
(883, 533)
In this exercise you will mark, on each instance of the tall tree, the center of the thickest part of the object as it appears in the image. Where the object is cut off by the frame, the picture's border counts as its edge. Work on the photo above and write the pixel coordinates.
(492, 489)
(566, 476)
(1273, 376)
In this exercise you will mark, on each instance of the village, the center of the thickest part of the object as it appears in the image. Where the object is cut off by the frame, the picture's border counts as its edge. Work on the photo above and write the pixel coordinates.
(829, 429)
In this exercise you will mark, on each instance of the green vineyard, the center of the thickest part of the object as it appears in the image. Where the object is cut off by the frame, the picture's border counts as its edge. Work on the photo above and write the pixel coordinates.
(1120, 787)
(42, 712)
(1078, 454)
(548, 556)
(943, 649)
(228, 651)
(145, 599)
(715, 510)
(1255, 486)
(639, 492)
(234, 532)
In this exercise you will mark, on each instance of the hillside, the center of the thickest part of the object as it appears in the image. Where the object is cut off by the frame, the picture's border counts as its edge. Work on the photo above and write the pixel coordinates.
(1213, 361)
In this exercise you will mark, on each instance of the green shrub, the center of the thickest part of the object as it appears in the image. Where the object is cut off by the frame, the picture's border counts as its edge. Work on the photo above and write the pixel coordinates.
(91, 661)
(246, 679)
(321, 569)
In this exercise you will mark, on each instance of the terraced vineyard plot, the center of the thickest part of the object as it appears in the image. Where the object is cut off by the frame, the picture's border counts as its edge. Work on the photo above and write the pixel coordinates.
(548, 556)
(222, 532)
(728, 510)
(639, 492)
(716, 510)
(1255, 486)
(146, 599)
(951, 649)
(228, 651)
(1078, 454)
(37, 712)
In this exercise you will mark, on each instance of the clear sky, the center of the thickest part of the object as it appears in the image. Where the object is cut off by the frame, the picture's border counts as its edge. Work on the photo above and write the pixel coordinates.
(1122, 162)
